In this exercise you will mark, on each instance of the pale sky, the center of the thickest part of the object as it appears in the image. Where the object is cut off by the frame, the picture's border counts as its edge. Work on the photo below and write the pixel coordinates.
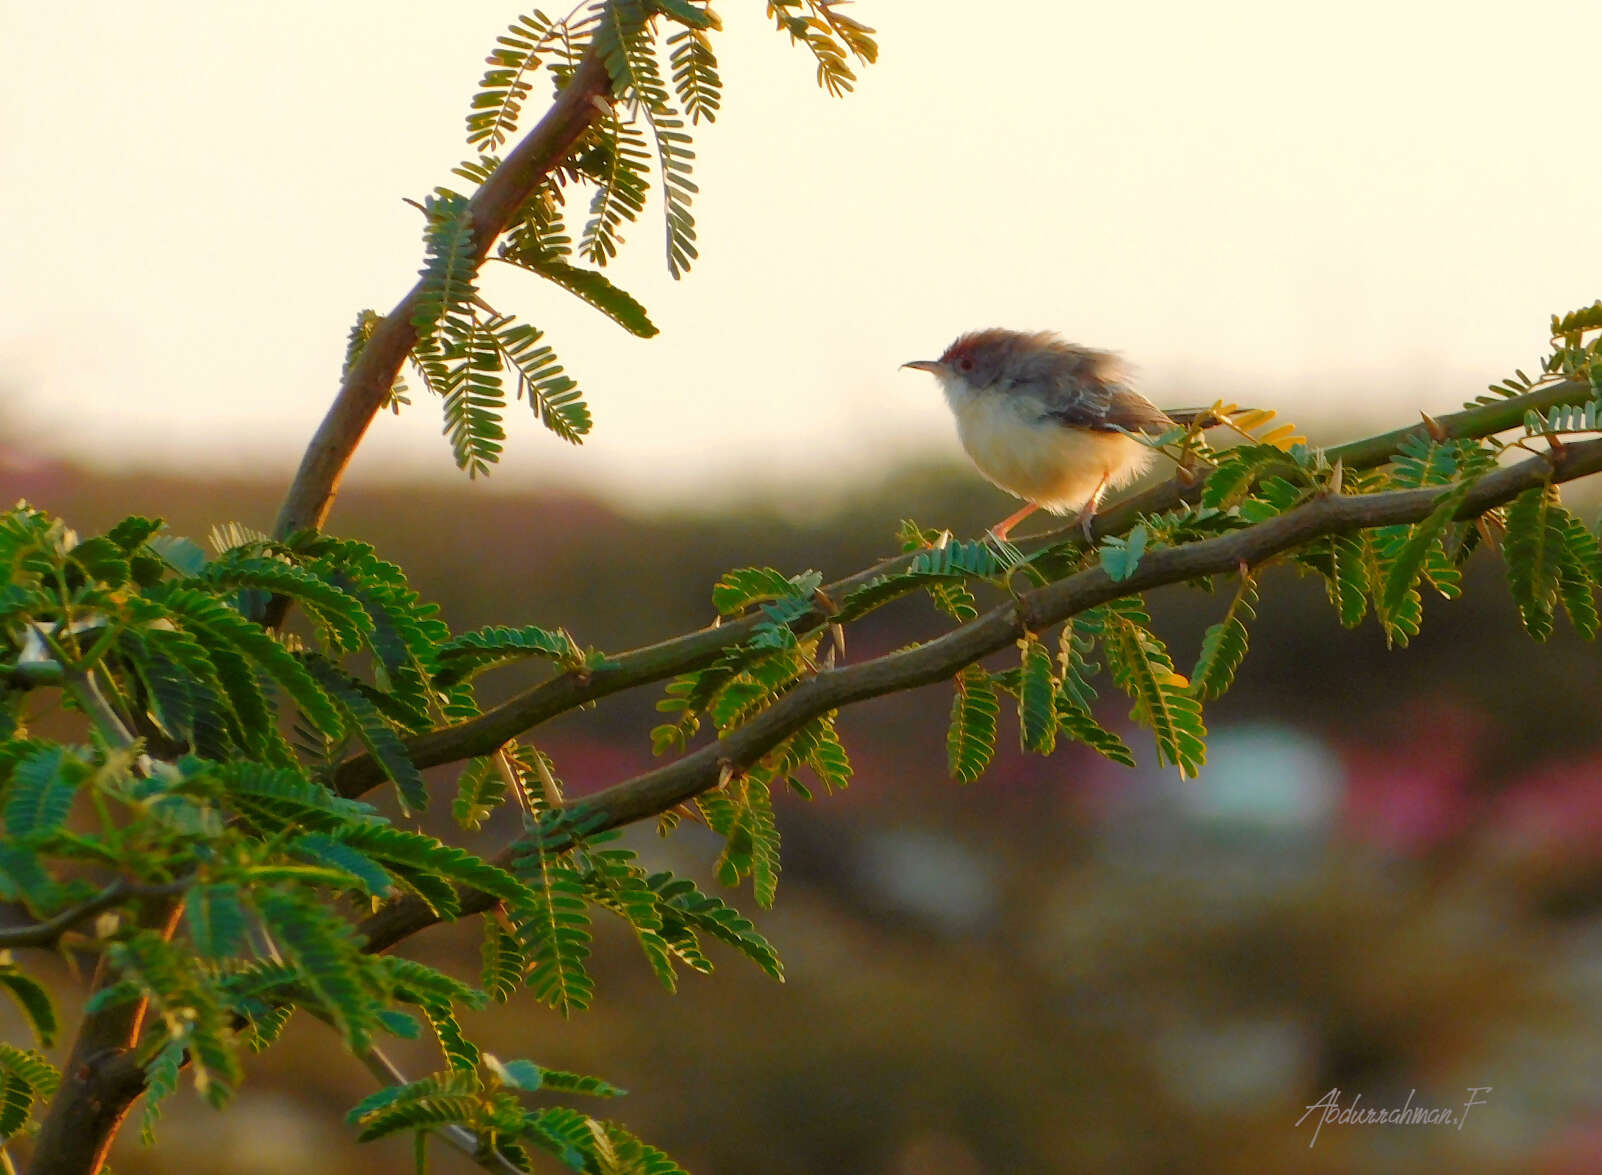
(1380, 202)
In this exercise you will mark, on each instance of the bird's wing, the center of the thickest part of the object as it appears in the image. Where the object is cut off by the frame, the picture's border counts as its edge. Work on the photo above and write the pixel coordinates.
(1094, 395)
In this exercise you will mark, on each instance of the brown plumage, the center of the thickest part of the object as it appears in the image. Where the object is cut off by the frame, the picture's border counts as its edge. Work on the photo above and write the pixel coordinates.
(1047, 420)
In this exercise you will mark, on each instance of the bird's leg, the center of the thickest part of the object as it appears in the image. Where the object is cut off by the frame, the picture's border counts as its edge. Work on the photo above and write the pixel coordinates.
(1087, 513)
(1001, 528)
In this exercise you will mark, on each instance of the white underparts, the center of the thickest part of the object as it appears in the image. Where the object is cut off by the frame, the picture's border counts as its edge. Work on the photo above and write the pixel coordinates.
(1039, 458)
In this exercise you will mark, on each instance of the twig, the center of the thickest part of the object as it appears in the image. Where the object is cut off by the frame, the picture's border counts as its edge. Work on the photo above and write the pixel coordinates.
(49, 932)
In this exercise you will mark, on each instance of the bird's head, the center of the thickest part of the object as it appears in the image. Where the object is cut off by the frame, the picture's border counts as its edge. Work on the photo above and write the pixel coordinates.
(978, 359)
(996, 359)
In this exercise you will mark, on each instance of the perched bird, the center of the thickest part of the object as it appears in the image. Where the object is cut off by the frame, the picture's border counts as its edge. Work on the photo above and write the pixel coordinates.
(1046, 420)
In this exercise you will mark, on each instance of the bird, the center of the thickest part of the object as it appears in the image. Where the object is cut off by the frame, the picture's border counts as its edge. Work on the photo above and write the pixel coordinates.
(1048, 421)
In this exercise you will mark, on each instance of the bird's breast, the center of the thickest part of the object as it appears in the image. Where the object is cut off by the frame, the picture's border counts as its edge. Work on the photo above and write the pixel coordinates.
(1038, 458)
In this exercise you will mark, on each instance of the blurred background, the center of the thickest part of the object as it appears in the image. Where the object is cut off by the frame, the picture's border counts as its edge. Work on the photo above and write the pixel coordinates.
(1386, 881)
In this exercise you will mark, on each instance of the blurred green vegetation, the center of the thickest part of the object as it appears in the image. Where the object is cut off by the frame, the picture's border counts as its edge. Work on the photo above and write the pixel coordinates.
(1386, 881)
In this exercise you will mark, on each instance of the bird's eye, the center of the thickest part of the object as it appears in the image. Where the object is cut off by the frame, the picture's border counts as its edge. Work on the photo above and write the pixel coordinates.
(965, 364)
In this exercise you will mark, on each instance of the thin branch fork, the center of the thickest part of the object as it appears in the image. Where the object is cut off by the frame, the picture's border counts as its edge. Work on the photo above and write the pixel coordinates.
(483, 734)
(654, 792)
(48, 933)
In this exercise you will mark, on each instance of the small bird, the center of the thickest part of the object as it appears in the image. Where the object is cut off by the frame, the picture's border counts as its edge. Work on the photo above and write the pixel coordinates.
(1046, 420)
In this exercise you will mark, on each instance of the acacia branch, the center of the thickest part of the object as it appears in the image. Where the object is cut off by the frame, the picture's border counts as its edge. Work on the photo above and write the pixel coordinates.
(103, 1075)
(660, 790)
(493, 728)
(367, 385)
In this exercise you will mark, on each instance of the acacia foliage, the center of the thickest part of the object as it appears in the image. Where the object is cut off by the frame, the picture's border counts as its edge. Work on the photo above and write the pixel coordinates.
(662, 68)
(225, 803)
(194, 834)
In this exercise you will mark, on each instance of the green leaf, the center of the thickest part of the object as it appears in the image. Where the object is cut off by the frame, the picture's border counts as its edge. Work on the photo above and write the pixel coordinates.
(25, 1077)
(345, 624)
(532, 1078)
(685, 905)
(132, 532)
(33, 1000)
(183, 556)
(823, 752)
(1142, 668)
(620, 164)
(1400, 614)
(1037, 693)
(102, 561)
(323, 949)
(414, 858)
(1405, 567)
(1075, 644)
(161, 1082)
(216, 919)
(220, 627)
(554, 926)
(24, 878)
(504, 961)
(744, 586)
(1119, 556)
(553, 396)
(188, 699)
(471, 653)
(420, 984)
(1582, 568)
(742, 812)
(1224, 644)
(1346, 577)
(280, 798)
(695, 76)
(498, 105)
(463, 366)
(595, 288)
(418, 1114)
(954, 599)
(623, 41)
(382, 741)
(371, 877)
(1534, 548)
(1237, 470)
(42, 788)
(450, 267)
(1076, 722)
(687, 13)
(480, 790)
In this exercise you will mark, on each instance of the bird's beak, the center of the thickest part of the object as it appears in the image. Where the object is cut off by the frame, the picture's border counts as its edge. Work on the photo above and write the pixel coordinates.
(932, 366)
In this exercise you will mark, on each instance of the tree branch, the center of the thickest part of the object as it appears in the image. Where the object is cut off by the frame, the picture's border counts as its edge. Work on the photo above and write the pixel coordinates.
(367, 384)
(662, 789)
(101, 1079)
(540, 703)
